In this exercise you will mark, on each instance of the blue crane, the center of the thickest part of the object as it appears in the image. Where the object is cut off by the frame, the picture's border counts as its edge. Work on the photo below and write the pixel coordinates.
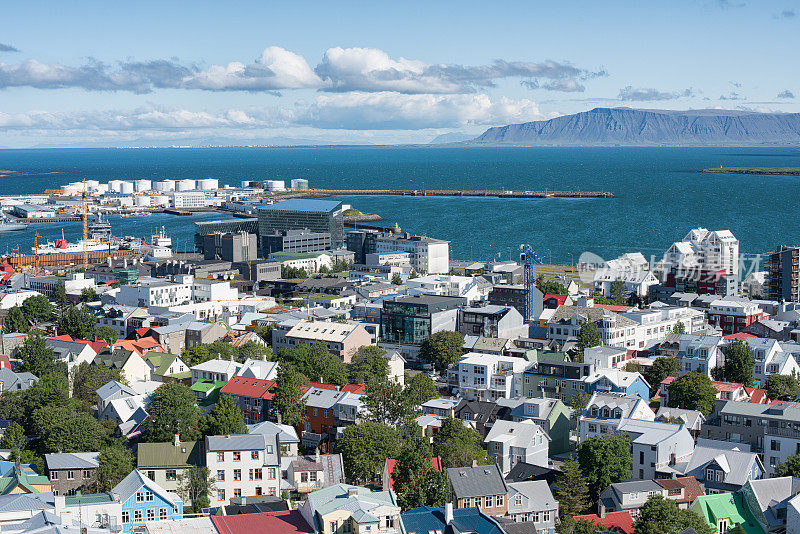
(529, 257)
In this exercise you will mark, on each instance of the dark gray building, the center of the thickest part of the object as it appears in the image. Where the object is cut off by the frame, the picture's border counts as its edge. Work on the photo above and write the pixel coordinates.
(411, 319)
(259, 271)
(783, 274)
(72, 472)
(514, 296)
(298, 213)
(361, 243)
(302, 240)
(231, 246)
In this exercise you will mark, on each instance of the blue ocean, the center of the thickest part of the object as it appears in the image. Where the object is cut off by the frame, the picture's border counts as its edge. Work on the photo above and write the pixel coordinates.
(659, 195)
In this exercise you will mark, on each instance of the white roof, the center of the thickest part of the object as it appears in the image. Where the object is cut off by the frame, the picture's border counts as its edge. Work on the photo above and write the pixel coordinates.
(322, 330)
(520, 433)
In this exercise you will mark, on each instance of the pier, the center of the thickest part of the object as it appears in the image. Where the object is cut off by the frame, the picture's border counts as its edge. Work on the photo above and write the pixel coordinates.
(64, 260)
(497, 193)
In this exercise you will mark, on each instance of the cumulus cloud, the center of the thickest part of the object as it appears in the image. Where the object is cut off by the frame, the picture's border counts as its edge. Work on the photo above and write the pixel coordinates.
(649, 94)
(341, 70)
(7, 48)
(387, 111)
(733, 95)
(785, 94)
(346, 111)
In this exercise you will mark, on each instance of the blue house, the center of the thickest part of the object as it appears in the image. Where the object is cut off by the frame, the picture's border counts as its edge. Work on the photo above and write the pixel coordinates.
(427, 519)
(144, 500)
(722, 466)
(616, 381)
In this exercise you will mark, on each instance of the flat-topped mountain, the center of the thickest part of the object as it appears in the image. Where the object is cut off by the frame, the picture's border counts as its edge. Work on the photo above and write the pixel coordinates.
(626, 126)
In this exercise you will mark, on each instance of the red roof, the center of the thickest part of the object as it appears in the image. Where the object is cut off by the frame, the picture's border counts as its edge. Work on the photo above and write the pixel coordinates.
(249, 387)
(739, 336)
(97, 345)
(62, 337)
(5, 361)
(561, 299)
(285, 522)
(613, 521)
(719, 386)
(142, 332)
(614, 308)
(352, 388)
(757, 395)
(436, 463)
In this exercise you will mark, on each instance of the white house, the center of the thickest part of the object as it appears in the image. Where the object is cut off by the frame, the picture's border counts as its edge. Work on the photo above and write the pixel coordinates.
(605, 411)
(243, 465)
(636, 282)
(656, 446)
(487, 376)
(148, 292)
(511, 442)
(701, 353)
(426, 255)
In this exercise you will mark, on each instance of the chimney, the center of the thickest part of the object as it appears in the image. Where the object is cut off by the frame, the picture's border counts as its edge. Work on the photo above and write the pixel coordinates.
(244, 501)
(448, 513)
(474, 463)
(278, 418)
(316, 454)
(177, 440)
(352, 492)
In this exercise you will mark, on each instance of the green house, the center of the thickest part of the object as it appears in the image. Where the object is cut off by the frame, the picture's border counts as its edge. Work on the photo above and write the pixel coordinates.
(724, 511)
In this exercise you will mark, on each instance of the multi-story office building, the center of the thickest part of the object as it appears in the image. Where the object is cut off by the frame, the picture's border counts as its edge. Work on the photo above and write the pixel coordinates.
(407, 321)
(302, 240)
(233, 247)
(361, 243)
(783, 274)
(298, 213)
(492, 321)
(426, 255)
(514, 295)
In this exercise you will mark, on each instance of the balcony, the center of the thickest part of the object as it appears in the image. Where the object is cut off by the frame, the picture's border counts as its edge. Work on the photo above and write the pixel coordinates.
(782, 432)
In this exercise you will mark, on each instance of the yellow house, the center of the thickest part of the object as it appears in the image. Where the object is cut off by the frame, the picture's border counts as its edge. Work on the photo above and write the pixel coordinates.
(20, 479)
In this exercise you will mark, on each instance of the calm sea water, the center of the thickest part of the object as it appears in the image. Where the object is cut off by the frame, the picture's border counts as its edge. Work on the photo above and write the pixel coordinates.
(659, 194)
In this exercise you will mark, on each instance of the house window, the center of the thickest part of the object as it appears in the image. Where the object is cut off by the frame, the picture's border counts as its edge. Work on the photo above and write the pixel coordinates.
(220, 456)
(489, 501)
(137, 515)
(126, 517)
(237, 492)
(315, 412)
(221, 495)
(270, 450)
(500, 500)
(258, 473)
(237, 474)
(303, 477)
(70, 475)
(172, 474)
(237, 456)
(53, 475)
(151, 475)
(775, 445)
(709, 474)
(518, 499)
(162, 514)
(151, 514)
(87, 474)
(333, 526)
(312, 476)
(220, 475)
(254, 455)
(271, 473)
(389, 523)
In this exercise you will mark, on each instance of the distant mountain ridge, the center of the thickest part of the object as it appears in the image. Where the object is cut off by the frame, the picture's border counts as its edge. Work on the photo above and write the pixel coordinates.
(626, 126)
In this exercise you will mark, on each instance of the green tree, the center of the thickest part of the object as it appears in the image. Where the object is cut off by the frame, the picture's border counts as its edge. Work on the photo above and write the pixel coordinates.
(14, 439)
(265, 332)
(77, 322)
(605, 459)
(87, 378)
(369, 363)
(384, 403)
(37, 308)
(588, 336)
(739, 363)
(397, 279)
(194, 486)
(579, 401)
(458, 445)
(633, 367)
(16, 321)
(782, 387)
(316, 362)
(365, 448)
(288, 401)
(225, 418)
(582, 526)
(88, 294)
(572, 490)
(37, 358)
(442, 349)
(789, 468)
(173, 410)
(662, 516)
(416, 482)
(115, 463)
(414, 274)
(550, 287)
(679, 327)
(67, 430)
(419, 390)
(692, 391)
(618, 292)
(252, 351)
(107, 334)
(661, 369)
(59, 294)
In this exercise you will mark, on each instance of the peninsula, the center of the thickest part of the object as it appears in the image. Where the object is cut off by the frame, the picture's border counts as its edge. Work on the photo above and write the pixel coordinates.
(787, 171)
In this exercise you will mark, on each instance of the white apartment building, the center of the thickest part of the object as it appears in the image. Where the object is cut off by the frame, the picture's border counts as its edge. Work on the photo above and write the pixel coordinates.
(773, 358)
(445, 285)
(656, 446)
(243, 465)
(213, 290)
(426, 255)
(658, 322)
(701, 353)
(487, 376)
(615, 329)
(636, 282)
(396, 259)
(148, 292)
(705, 250)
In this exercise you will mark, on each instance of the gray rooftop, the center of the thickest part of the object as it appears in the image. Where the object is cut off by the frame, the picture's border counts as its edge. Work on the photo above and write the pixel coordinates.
(72, 460)
(476, 481)
(236, 442)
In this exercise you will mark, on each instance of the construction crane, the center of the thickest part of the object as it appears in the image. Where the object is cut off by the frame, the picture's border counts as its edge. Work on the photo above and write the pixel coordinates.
(85, 227)
(528, 257)
(36, 237)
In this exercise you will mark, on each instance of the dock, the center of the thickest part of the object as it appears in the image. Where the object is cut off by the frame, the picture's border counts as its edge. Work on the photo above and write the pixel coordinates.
(64, 260)
(496, 193)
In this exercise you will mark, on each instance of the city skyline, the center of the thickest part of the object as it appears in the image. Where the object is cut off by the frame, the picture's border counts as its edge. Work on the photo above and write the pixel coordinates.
(245, 73)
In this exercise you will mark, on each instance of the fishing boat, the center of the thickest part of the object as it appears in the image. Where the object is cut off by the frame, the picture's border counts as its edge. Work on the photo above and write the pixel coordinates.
(62, 246)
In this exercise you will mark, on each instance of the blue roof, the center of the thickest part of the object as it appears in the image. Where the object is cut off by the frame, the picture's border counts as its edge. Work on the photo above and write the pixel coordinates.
(425, 519)
(303, 204)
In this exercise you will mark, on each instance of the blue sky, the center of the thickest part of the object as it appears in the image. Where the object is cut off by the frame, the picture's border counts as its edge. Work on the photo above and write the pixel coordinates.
(108, 73)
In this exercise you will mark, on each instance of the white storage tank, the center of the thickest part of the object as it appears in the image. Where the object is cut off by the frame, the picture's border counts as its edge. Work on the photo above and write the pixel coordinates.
(143, 185)
(125, 202)
(102, 188)
(160, 200)
(143, 201)
(275, 185)
(92, 184)
(186, 185)
(165, 185)
(208, 184)
(115, 186)
(299, 184)
(126, 187)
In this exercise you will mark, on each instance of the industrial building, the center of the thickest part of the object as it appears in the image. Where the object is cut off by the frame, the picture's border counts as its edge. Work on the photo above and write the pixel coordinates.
(33, 211)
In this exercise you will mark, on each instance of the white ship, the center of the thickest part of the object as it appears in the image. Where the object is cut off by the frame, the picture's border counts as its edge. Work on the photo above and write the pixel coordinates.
(62, 246)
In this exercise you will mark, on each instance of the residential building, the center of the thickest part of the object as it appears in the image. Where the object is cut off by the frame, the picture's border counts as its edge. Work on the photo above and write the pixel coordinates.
(605, 412)
(487, 377)
(620, 522)
(509, 442)
(296, 214)
(164, 463)
(656, 447)
(722, 466)
(769, 501)
(18, 478)
(616, 381)
(341, 339)
(324, 414)
(445, 285)
(606, 357)
(427, 520)
(426, 254)
(783, 274)
(111, 391)
(722, 511)
(342, 508)
(681, 490)
(704, 250)
(129, 362)
(700, 353)
(533, 502)
(310, 473)
(286, 435)
(629, 496)
(243, 465)
(733, 316)
(691, 418)
(144, 500)
(253, 397)
(550, 414)
(479, 414)
(636, 282)
(480, 486)
(71, 472)
(284, 521)
(492, 322)
(11, 381)
(555, 377)
(615, 329)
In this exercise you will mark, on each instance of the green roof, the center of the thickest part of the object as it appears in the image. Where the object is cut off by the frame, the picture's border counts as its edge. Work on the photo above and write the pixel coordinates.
(160, 361)
(90, 498)
(726, 506)
(168, 455)
(14, 480)
(204, 385)
(323, 296)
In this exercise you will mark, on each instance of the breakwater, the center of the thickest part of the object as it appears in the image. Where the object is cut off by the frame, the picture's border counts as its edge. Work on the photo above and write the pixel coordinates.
(312, 193)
